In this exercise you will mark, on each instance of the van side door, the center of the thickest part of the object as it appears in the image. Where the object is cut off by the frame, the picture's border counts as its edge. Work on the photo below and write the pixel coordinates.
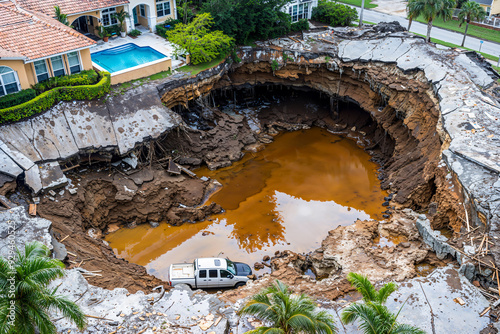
(226, 279)
(213, 278)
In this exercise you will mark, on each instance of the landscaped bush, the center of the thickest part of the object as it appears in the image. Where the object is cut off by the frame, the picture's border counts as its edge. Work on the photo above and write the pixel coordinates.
(161, 29)
(134, 33)
(47, 99)
(114, 29)
(17, 98)
(88, 77)
(302, 24)
(334, 14)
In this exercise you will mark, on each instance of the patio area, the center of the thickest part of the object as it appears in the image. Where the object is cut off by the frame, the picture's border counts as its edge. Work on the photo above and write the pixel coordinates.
(146, 39)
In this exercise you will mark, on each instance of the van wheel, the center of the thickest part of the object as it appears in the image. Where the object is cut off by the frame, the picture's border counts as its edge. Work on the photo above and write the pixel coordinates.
(239, 284)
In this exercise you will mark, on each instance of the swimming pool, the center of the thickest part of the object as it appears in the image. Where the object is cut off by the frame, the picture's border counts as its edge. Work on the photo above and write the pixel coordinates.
(125, 56)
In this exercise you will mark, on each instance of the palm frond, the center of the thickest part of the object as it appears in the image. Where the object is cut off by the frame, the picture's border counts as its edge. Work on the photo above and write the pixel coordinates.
(36, 249)
(368, 318)
(302, 322)
(363, 285)
(385, 291)
(266, 330)
(68, 308)
(406, 329)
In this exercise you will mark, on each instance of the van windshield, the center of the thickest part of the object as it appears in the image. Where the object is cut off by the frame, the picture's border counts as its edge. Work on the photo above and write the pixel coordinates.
(231, 267)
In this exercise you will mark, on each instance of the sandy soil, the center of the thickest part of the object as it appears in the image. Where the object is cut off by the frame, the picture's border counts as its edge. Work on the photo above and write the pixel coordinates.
(393, 7)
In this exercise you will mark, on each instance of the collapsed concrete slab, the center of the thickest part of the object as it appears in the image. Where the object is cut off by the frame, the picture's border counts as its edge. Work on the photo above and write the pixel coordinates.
(432, 303)
(71, 129)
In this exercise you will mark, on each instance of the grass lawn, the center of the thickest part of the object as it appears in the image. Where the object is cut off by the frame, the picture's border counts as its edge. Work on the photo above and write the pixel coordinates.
(368, 3)
(479, 32)
(122, 88)
(195, 69)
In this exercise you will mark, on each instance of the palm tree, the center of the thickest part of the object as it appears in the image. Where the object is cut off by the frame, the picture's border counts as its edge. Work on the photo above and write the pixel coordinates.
(25, 298)
(374, 316)
(429, 9)
(470, 11)
(121, 16)
(63, 18)
(287, 313)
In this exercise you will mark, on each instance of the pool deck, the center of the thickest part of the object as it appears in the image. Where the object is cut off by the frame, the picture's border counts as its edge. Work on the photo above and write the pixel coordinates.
(146, 39)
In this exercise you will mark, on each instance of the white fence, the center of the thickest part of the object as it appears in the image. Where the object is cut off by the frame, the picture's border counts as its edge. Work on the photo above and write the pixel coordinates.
(490, 20)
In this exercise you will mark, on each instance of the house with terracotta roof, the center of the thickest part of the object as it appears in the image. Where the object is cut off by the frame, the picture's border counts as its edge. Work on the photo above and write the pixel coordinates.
(34, 47)
(87, 15)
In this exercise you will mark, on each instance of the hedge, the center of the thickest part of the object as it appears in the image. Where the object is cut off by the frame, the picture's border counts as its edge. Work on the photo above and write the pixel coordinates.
(302, 24)
(162, 30)
(88, 77)
(10, 100)
(334, 14)
(47, 99)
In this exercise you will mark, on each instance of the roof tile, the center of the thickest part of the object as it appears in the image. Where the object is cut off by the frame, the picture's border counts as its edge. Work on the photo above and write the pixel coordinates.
(35, 35)
(68, 6)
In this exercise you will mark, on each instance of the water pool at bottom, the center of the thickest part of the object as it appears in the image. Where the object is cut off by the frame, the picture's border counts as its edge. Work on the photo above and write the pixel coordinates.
(287, 196)
(125, 56)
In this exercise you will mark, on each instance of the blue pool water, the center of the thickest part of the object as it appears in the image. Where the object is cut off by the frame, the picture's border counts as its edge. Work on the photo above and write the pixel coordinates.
(125, 56)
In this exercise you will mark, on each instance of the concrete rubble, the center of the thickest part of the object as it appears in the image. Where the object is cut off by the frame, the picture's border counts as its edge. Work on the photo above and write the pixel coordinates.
(26, 229)
(178, 311)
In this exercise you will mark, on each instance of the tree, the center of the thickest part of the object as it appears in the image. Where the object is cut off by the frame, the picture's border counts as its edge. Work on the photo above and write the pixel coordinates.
(334, 14)
(470, 11)
(287, 313)
(25, 298)
(374, 316)
(198, 41)
(121, 16)
(429, 10)
(249, 20)
(63, 18)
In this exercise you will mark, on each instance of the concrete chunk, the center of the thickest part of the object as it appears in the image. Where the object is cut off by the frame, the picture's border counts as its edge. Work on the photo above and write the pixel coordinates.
(8, 166)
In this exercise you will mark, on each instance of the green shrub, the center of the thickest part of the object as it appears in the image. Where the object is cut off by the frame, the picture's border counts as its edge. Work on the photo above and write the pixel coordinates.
(161, 28)
(88, 77)
(275, 65)
(47, 99)
(334, 14)
(134, 33)
(302, 24)
(114, 29)
(17, 98)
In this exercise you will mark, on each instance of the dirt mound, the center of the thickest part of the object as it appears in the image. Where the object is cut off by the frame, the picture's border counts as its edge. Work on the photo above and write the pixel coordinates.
(355, 248)
(111, 197)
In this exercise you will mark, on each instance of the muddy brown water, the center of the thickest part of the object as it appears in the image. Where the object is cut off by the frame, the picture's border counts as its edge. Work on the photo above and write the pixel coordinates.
(287, 196)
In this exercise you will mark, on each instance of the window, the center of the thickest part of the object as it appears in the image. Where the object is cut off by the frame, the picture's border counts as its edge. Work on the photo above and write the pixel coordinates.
(203, 274)
(74, 62)
(41, 71)
(212, 273)
(300, 11)
(225, 274)
(108, 18)
(58, 66)
(8, 81)
(142, 9)
(162, 8)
